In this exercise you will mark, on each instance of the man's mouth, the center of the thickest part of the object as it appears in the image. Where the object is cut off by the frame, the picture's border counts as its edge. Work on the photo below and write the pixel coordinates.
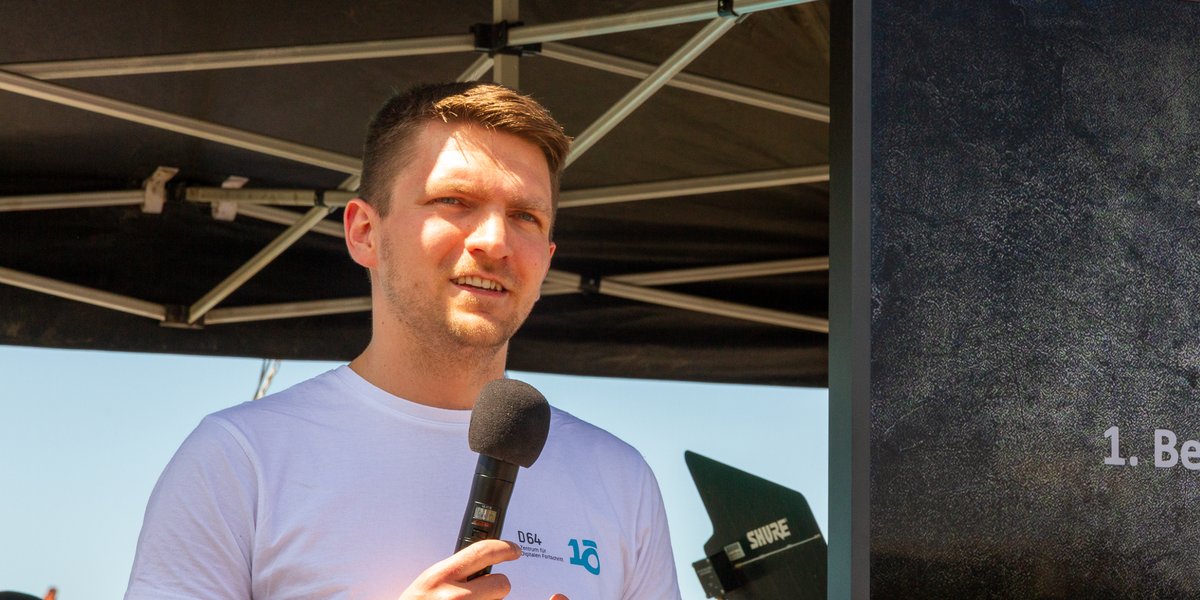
(479, 282)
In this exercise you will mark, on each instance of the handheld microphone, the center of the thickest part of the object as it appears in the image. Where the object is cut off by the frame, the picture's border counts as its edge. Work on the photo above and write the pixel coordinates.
(508, 429)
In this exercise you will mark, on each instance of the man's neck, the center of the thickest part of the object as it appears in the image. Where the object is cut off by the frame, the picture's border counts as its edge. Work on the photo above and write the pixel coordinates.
(411, 371)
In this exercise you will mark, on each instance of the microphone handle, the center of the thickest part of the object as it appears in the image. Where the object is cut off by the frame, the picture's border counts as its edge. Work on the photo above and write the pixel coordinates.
(490, 491)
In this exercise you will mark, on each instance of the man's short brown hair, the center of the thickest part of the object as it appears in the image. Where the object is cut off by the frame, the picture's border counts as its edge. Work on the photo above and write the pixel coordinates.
(390, 135)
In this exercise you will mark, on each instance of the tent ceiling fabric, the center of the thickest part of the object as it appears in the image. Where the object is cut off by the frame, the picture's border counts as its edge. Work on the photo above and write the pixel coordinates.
(176, 257)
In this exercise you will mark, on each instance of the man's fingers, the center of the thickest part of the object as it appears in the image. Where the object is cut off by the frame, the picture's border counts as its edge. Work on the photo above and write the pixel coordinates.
(474, 558)
(559, 597)
(448, 578)
(490, 587)
(488, 552)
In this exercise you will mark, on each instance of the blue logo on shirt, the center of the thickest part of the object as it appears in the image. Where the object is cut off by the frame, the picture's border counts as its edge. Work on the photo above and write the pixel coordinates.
(589, 558)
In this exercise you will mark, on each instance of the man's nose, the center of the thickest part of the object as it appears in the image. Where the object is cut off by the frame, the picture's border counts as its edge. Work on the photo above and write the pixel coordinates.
(490, 235)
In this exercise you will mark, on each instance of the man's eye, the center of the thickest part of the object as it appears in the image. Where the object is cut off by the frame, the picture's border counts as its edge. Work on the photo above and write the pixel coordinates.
(447, 201)
(529, 217)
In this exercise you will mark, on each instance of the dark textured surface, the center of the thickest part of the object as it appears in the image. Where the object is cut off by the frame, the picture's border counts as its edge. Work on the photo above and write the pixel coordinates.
(1035, 281)
(510, 422)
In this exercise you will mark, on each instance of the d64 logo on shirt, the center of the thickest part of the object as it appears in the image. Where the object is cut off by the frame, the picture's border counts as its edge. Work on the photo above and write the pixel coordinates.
(528, 538)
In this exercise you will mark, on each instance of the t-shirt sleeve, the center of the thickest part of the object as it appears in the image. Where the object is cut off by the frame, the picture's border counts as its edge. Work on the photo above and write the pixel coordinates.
(198, 530)
(654, 572)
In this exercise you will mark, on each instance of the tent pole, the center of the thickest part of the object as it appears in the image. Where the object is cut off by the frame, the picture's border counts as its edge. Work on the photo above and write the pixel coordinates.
(287, 218)
(633, 21)
(290, 55)
(687, 81)
(507, 69)
(76, 200)
(477, 69)
(84, 294)
(714, 307)
(150, 197)
(693, 186)
(693, 303)
(287, 310)
(644, 89)
(256, 264)
(739, 271)
(273, 196)
(58, 94)
(232, 59)
(702, 274)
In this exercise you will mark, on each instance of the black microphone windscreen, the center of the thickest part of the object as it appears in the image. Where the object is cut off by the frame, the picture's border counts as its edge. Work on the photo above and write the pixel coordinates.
(510, 422)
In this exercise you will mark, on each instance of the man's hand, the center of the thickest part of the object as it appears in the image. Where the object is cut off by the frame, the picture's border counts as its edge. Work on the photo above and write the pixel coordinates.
(447, 580)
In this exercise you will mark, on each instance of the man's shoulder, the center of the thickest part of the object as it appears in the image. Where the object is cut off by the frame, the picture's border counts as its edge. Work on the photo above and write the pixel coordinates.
(570, 431)
(304, 398)
(567, 422)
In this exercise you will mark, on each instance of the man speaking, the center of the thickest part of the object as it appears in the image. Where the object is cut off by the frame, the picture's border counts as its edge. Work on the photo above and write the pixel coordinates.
(352, 484)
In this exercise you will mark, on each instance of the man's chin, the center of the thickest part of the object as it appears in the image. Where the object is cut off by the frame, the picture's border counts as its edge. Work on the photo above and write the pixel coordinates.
(481, 333)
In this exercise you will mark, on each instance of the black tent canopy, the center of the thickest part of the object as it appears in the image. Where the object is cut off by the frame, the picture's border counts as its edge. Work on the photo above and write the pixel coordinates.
(172, 174)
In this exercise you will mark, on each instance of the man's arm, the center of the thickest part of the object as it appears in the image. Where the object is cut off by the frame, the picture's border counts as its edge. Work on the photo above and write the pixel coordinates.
(198, 531)
(654, 572)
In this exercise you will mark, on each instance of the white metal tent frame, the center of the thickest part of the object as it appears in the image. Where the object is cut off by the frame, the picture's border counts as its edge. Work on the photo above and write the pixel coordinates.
(499, 55)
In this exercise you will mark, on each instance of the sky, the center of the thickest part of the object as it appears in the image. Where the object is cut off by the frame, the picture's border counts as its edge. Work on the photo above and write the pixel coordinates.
(85, 435)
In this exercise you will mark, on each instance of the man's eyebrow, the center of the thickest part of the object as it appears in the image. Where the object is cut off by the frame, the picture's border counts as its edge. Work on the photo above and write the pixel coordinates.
(524, 203)
(456, 187)
(469, 189)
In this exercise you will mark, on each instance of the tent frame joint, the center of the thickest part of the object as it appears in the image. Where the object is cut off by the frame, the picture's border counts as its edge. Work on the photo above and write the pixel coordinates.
(492, 38)
(589, 285)
(177, 318)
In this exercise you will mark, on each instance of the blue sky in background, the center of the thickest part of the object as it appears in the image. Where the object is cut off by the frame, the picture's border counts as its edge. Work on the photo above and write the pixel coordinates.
(86, 434)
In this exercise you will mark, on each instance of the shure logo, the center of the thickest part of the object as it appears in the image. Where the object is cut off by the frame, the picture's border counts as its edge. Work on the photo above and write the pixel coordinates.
(771, 532)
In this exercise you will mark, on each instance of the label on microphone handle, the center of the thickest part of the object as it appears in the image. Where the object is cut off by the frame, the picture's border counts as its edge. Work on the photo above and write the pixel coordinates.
(484, 515)
(483, 520)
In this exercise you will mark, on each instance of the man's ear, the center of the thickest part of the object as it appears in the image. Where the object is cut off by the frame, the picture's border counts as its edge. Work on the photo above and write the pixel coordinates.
(359, 221)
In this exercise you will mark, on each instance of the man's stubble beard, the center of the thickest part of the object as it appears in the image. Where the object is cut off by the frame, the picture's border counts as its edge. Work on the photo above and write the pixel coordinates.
(428, 320)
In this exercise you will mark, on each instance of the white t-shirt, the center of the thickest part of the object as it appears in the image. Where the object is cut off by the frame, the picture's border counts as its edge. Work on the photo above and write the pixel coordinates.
(337, 489)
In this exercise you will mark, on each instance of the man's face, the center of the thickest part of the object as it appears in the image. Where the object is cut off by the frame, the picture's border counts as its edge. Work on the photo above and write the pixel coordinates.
(465, 245)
